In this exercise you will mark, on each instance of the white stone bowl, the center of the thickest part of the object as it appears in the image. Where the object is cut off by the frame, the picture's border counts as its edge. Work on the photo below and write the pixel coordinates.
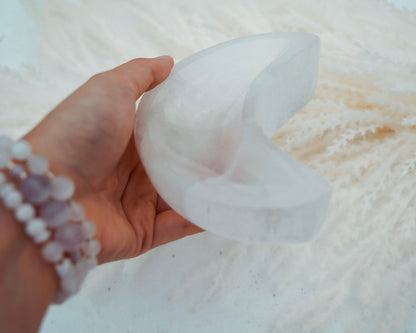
(204, 139)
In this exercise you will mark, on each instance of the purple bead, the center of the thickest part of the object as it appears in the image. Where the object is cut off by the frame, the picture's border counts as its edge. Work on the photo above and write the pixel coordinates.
(55, 213)
(16, 171)
(70, 236)
(36, 189)
(75, 255)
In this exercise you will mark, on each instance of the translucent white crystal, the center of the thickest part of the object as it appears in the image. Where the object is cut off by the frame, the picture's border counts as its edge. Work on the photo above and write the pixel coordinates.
(5, 142)
(5, 157)
(77, 211)
(204, 139)
(42, 236)
(62, 188)
(35, 227)
(71, 283)
(64, 268)
(13, 199)
(52, 251)
(6, 189)
(25, 212)
(89, 229)
(3, 178)
(21, 150)
(92, 247)
(38, 165)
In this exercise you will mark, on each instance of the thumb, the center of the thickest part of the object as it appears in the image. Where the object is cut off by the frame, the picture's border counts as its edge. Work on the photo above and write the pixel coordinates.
(138, 75)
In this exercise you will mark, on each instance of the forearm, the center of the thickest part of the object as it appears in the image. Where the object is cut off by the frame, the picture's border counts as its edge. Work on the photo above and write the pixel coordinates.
(28, 283)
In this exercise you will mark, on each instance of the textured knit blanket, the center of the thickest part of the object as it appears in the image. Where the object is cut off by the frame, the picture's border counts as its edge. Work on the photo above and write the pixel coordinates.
(359, 132)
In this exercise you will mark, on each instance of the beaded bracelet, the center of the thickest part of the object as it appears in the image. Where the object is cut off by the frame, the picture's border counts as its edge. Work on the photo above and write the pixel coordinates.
(42, 202)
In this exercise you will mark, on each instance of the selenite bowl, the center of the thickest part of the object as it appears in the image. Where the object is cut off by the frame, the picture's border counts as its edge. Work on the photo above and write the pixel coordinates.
(204, 138)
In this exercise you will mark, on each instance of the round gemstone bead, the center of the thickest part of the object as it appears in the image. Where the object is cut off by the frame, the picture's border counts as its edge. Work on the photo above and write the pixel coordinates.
(82, 265)
(89, 229)
(5, 157)
(38, 165)
(3, 178)
(2, 186)
(92, 262)
(52, 251)
(17, 171)
(36, 189)
(42, 236)
(6, 189)
(25, 212)
(21, 150)
(13, 199)
(5, 142)
(62, 188)
(91, 248)
(77, 211)
(35, 227)
(64, 268)
(70, 236)
(75, 255)
(71, 283)
(55, 213)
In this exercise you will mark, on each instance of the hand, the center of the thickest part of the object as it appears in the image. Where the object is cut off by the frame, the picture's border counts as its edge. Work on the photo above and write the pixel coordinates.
(89, 137)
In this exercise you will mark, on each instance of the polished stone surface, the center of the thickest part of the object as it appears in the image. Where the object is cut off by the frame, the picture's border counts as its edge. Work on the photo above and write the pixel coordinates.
(36, 189)
(204, 138)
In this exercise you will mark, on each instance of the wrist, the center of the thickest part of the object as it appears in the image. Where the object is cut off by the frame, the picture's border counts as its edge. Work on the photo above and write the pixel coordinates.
(42, 202)
(58, 163)
(28, 282)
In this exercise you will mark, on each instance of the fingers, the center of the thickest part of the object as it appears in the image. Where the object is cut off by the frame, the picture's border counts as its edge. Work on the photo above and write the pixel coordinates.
(170, 226)
(153, 227)
(139, 75)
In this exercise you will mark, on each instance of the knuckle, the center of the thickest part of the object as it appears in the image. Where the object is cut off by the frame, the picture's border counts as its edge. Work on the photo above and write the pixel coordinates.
(96, 77)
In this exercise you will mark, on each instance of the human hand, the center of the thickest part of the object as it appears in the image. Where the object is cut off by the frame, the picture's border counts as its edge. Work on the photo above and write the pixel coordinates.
(89, 137)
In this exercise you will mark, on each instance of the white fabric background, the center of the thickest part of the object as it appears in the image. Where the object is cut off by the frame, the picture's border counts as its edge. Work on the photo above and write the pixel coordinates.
(358, 132)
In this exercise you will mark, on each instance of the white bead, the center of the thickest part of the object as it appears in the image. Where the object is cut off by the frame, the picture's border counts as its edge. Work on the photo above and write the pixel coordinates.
(89, 229)
(82, 267)
(71, 283)
(42, 236)
(3, 182)
(92, 262)
(62, 188)
(5, 142)
(38, 165)
(77, 211)
(64, 268)
(5, 157)
(52, 251)
(91, 248)
(13, 199)
(3, 178)
(21, 150)
(6, 189)
(25, 212)
(35, 227)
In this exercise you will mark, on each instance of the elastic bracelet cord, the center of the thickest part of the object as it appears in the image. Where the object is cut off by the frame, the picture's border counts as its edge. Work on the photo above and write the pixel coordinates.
(42, 203)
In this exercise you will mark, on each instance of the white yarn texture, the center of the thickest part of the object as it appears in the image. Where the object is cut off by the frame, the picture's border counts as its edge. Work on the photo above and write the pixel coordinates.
(359, 132)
